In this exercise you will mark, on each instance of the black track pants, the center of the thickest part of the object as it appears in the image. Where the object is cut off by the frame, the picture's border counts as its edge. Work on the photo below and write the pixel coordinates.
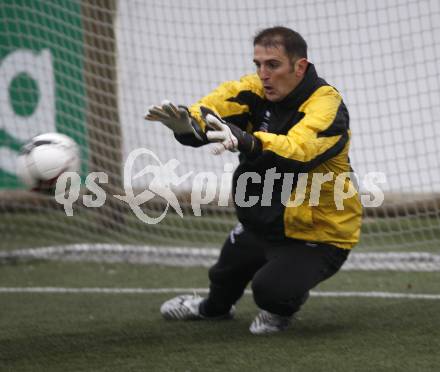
(282, 273)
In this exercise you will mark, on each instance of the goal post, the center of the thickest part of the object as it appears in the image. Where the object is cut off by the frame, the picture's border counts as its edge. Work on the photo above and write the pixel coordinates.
(91, 69)
(103, 124)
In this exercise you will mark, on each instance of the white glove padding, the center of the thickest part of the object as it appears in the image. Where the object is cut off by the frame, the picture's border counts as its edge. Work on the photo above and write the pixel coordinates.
(175, 118)
(220, 134)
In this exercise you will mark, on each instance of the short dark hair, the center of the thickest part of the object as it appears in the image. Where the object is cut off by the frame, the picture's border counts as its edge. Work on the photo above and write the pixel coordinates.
(293, 42)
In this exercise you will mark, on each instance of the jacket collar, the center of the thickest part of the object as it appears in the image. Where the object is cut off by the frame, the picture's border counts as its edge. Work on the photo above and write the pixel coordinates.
(303, 91)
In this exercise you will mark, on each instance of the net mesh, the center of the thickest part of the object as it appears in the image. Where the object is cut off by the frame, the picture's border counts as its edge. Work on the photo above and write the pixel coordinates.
(91, 69)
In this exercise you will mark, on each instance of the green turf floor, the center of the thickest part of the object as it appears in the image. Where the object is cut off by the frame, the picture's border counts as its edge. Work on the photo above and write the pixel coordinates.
(124, 332)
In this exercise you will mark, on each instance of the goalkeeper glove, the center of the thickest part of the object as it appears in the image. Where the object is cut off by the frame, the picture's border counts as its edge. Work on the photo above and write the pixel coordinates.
(228, 136)
(175, 118)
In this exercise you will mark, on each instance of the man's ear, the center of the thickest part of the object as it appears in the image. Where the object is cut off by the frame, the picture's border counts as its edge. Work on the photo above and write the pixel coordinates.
(301, 67)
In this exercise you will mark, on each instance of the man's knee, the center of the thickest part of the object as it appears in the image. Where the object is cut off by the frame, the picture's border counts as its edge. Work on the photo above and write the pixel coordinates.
(265, 296)
(278, 300)
(218, 276)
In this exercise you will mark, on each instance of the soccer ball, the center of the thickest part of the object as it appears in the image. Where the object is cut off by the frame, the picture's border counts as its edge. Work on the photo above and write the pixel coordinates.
(44, 158)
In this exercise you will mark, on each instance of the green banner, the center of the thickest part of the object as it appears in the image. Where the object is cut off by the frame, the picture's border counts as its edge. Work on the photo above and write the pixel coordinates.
(42, 85)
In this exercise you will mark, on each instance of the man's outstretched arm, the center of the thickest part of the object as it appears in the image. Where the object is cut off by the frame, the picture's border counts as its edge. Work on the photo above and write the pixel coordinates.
(178, 119)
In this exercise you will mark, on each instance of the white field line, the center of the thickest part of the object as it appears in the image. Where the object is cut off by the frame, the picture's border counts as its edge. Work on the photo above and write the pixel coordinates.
(61, 290)
(182, 256)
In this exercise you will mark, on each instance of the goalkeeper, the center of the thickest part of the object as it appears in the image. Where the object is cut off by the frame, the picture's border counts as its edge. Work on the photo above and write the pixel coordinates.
(286, 118)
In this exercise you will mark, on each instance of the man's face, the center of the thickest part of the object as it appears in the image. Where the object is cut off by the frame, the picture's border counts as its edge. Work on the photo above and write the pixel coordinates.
(276, 72)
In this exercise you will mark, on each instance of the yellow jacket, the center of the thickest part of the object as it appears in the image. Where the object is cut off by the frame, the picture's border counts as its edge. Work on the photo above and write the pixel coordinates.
(307, 133)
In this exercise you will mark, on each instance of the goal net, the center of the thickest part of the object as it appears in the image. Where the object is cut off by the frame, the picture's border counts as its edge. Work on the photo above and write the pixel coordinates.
(91, 69)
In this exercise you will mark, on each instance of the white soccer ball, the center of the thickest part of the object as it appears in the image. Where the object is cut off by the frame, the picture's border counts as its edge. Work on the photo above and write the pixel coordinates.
(45, 157)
